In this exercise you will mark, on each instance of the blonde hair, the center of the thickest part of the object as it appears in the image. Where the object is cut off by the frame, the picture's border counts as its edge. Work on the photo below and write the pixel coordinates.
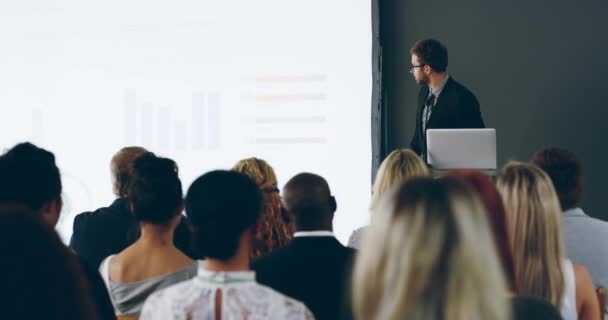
(121, 167)
(534, 221)
(398, 166)
(429, 254)
(272, 231)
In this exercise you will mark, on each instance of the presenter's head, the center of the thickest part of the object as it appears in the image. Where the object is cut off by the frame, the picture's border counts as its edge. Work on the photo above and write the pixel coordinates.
(429, 60)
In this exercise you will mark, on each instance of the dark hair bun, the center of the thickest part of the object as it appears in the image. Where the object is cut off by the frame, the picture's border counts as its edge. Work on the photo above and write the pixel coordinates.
(155, 191)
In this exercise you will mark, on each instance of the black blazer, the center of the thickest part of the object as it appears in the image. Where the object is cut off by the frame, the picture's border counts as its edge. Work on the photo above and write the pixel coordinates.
(107, 231)
(313, 270)
(456, 108)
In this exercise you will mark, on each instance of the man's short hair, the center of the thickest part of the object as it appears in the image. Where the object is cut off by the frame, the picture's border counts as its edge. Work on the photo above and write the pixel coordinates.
(308, 200)
(122, 168)
(432, 53)
(29, 177)
(566, 173)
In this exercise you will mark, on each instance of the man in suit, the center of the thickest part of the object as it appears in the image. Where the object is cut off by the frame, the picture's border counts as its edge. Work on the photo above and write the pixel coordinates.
(109, 230)
(443, 103)
(30, 177)
(313, 267)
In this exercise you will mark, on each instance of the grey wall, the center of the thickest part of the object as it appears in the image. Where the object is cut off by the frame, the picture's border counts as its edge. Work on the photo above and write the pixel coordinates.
(538, 68)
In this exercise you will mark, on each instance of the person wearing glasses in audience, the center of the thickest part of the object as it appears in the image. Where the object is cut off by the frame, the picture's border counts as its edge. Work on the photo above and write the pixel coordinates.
(443, 103)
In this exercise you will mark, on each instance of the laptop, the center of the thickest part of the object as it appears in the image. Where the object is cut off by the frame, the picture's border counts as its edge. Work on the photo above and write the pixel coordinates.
(461, 149)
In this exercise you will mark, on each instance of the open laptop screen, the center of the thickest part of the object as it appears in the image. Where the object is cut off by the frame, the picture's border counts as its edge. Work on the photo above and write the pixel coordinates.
(461, 148)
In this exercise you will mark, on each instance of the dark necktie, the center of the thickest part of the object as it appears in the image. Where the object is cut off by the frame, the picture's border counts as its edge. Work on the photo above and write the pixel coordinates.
(428, 107)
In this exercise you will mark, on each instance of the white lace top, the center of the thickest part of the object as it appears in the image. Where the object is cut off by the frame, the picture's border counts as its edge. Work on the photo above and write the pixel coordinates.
(242, 298)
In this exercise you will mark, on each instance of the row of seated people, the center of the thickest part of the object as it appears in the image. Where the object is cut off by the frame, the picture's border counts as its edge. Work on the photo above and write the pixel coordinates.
(442, 248)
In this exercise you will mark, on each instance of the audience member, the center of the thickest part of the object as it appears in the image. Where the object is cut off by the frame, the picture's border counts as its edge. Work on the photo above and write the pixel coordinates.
(524, 307)
(541, 268)
(42, 278)
(314, 266)
(109, 230)
(152, 262)
(399, 166)
(429, 254)
(30, 177)
(583, 235)
(223, 207)
(272, 231)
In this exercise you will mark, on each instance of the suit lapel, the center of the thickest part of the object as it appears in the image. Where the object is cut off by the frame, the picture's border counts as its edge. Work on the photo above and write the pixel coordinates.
(439, 107)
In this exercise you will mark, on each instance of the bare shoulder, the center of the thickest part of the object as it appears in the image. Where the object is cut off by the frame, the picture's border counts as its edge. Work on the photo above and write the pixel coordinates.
(582, 274)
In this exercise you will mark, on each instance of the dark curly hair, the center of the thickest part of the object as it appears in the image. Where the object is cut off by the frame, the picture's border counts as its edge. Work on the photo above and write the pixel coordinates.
(272, 231)
(155, 191)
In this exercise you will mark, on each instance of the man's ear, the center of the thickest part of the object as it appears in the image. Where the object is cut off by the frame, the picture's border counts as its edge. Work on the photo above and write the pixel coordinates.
(427, 69)
(332, 204)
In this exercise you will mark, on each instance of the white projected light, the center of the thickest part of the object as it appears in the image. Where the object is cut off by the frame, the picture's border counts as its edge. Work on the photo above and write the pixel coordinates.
(205, 83)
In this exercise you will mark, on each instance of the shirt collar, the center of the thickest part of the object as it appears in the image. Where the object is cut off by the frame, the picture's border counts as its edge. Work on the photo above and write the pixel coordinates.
(315, 233)
(223, 277)
(436, 91)
(575, 212)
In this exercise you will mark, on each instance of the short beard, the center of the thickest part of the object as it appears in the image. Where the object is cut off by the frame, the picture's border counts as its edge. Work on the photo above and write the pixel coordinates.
(423, 81)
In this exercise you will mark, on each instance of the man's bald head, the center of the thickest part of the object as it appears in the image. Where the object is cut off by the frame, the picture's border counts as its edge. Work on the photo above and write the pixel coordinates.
(307, 198)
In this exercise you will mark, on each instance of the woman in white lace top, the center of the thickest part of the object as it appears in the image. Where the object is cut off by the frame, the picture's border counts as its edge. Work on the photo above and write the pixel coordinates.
(223, 208)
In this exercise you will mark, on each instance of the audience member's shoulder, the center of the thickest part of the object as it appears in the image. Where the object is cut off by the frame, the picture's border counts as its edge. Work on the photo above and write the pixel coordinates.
(528, 307)
(116, 210)
(355, 239)
(598, 222)
(278, 255)
(577, 216)
(162, 303)
(292, 306)
(179, 292)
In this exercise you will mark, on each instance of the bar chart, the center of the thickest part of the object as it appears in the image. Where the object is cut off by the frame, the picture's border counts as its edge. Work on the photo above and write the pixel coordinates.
(161, 127)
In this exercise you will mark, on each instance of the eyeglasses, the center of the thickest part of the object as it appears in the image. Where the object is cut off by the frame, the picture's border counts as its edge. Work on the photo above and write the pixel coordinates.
(418, 66)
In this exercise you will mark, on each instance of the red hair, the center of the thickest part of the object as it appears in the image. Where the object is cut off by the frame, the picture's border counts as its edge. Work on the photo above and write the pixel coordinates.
(497, 218)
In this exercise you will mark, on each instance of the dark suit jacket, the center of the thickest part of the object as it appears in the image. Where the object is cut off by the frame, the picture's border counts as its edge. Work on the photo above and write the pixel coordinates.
(313, 270)
(109, 230)
(456, 108)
